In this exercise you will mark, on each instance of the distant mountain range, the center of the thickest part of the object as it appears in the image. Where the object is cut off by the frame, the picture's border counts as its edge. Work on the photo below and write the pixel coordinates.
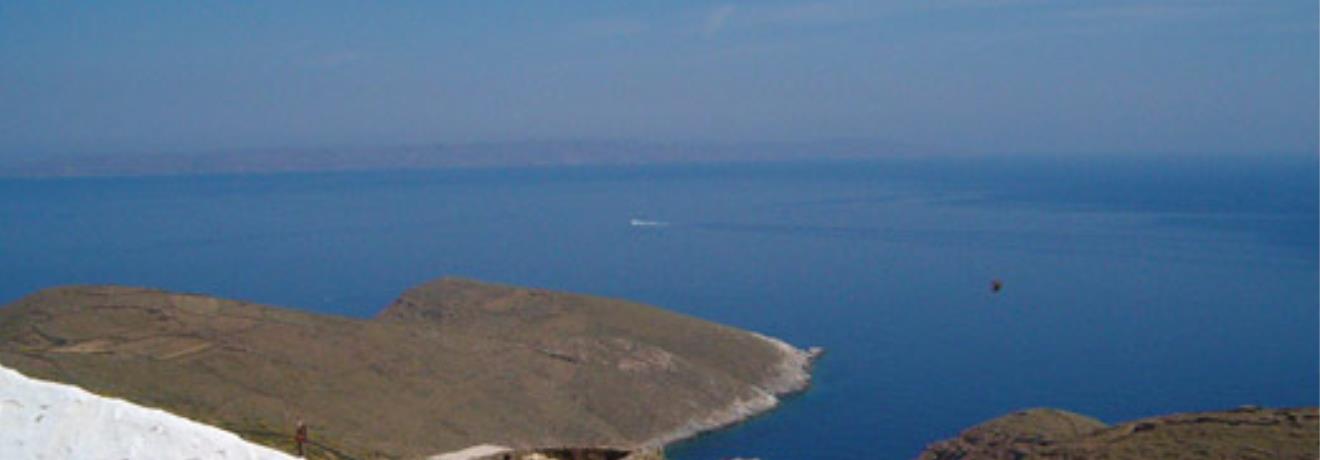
(444, 156)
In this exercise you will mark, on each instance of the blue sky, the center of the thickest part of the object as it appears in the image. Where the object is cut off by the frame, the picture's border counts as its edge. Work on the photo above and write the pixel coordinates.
(1212, 76)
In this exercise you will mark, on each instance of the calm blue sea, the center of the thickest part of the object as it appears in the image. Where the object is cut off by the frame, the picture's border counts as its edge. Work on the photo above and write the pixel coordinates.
(1132, 286)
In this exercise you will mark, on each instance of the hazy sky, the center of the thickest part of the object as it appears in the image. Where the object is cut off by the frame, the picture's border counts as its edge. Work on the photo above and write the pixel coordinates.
(969, 75)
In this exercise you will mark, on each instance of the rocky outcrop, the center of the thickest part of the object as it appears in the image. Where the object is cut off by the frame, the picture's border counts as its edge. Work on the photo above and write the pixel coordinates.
(1014, 434)
(1245, 433)
(451, 363)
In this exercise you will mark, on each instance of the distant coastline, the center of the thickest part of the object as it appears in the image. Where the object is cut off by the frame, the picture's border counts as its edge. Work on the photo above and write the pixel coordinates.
(441, 156)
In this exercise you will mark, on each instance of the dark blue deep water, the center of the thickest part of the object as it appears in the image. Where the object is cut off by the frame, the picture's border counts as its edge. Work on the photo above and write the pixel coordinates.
(1133, 287)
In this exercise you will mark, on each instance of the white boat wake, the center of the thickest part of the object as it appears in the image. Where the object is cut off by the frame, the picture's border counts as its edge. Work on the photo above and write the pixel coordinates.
(647, 223)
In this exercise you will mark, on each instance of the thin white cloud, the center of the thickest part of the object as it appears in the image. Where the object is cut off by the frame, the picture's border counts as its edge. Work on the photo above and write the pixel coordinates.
(947, 4)
(611, 28)
(801, 14)
(808, 14)
(717, 18)
(1152, 12)
(338, 59)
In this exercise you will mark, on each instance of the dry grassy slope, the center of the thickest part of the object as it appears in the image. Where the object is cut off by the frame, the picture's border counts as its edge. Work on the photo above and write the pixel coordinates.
(451, 364)
(1248, 433)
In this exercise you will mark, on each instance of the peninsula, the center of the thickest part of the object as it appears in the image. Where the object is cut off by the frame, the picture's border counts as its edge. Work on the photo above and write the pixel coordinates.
(449, 365)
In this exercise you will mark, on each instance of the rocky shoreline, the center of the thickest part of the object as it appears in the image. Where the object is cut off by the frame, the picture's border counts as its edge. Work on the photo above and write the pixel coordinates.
(793, 375)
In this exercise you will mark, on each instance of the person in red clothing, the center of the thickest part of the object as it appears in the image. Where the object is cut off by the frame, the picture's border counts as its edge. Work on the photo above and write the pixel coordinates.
(300, 437)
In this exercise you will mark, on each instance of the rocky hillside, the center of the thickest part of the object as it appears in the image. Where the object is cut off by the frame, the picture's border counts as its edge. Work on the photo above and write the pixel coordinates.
(450, 364)
(1246, 433)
